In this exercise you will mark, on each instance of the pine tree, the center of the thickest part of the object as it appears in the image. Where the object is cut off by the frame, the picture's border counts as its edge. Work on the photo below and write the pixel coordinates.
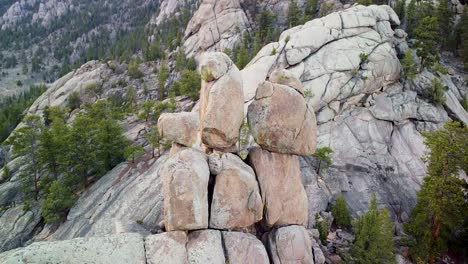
(57, 202)
(146, 110)
(190, 84)
(438, 222)
(436, 92)
(111, 144)
(463, 35)
(400, 7)
(25, 143)
(154, 139)
(445, 18)
(82, 150)
(162, 78)
(321, 154)
(242, 57)
(341, 213)
(409, 68)
(310, 10)
(133, 152)
(374, 236)
(426, 35)
(294, 15)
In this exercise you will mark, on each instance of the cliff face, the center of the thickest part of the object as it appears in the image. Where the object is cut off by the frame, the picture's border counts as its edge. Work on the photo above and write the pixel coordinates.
(347, 65)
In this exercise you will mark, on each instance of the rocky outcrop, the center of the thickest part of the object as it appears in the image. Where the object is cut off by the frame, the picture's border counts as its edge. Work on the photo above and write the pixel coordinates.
(280, 119)
(330, 55)
(290, 244)
(215, 26)
(185, 177)
(279, 177)
(17, 226)
(115, 249)
(181, 128)
(236, 197)
(221, 99)
(169, 9)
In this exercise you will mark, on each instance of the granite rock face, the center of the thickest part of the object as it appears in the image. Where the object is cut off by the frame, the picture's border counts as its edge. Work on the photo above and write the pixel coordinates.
(166, 248)
(242, 248)
(114, 249)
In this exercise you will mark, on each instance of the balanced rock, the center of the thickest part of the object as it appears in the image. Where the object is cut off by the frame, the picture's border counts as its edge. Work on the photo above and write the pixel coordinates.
(205, 246)
(221, 101)
(236, 197)
(166, 248)
(281, 188)
(180, 127)
(279, 118)
(290, 245)
(185, 183)
(243, 248)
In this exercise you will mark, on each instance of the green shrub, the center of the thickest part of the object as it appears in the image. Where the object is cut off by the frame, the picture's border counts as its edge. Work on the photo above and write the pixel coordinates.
(322, 227)
(134, 70)
(436, 92)
(341, 213)
(57, 203)
(321, 155)
(74, 101)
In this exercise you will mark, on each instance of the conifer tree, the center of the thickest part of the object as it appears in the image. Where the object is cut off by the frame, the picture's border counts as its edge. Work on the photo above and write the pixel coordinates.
(374, 236)
(439, 219)
(162, 78)
(321, 154)
(154, 139)
(436, 92)
(341, 213)
(294, 15)
(310, 10)
(445, 18)
(426, 35)
(25, 143)
(57, 202)
(408, 64)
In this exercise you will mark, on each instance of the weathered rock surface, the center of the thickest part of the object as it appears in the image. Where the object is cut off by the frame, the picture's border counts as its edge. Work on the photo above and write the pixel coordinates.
(185, 181)
(242, 248)
(166, 248)
(181, 127)
(282, 191)
(325, 55)
(290, 245)
(205, 246)
(221, 101)
(115, 249)
(279, 118)
(17, 225)
(126, 199)
(168, 9)
(236, 197)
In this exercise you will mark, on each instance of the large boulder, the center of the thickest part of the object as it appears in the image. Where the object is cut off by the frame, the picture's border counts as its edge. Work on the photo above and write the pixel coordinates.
(221, 101)
(242, 248)
(279, 118)
(290, 245)
(166, 248)
(284, 196)
(236, 197)
(181, 127)
(205, 246)
(185, 181)
(115, 249)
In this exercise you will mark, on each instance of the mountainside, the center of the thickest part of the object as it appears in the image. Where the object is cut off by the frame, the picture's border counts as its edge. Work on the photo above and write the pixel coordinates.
(343, 72)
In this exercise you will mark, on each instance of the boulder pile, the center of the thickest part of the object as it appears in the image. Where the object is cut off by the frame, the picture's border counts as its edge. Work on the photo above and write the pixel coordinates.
(219, 208)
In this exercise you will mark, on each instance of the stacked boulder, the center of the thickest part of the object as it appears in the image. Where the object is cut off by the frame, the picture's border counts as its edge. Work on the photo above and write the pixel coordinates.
(216, 206)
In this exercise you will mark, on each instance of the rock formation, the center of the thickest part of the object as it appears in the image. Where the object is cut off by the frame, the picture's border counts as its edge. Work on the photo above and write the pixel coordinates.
(181, 128)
